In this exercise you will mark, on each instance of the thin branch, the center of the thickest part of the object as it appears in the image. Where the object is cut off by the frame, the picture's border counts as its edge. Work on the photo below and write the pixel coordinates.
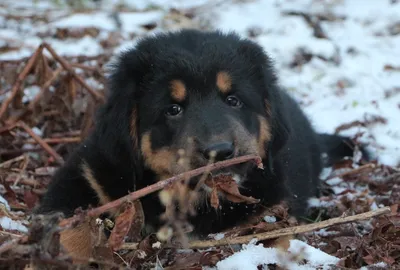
(44, 88)
(290, 230)
(360, 169)
(17, 85)
(97, 96)
(57, 140)
(160, 185)
(43, 144)
(11, 161)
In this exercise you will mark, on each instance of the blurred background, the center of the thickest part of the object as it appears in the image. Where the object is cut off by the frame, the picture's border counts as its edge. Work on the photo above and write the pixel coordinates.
(339, 58)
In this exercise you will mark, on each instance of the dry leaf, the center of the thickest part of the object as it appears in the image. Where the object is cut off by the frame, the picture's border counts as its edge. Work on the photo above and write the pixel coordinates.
(30, 198)
(122, 225)
(137, 223)
(229, 187)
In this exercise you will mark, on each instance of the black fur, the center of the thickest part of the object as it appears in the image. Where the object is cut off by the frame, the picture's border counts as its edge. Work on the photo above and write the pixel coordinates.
(140, 80)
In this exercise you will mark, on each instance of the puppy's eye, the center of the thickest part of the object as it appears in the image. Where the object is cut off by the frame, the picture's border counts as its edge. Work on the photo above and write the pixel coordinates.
(173, 110)
(233, 101)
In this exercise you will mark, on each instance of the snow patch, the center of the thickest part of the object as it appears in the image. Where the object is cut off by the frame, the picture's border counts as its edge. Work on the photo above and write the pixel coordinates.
(8, 224)
(251, 256)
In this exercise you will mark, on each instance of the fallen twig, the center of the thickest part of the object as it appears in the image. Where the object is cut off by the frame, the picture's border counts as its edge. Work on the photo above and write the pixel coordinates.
(312, 20)
(290, 230)
(11, 161)
(57, 140)
(65, 65)
(14, 152)
(355, 171)
(17, 85)
(160, 185)
(43, 144)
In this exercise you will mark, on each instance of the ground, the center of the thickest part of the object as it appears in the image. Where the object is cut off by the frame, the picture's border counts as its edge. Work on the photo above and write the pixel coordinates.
(338, 58)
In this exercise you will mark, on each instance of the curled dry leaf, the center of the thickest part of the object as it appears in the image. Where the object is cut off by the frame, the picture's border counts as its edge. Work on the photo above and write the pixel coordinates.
(137, 223)
(210, 258)
(30, 198)
(122, 226)
(228, 186)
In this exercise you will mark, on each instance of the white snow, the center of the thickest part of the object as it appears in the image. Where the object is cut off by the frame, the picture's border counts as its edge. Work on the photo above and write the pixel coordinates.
(270, 219)
(360, 43)
(219, 236)
(334, 181)
(252, 256)
(100, 20)
(4, 202)
(8, 224)
(30, 92)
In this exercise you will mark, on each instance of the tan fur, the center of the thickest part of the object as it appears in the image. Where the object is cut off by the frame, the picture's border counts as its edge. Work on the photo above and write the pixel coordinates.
(78, 241)
(224, 82)
(178, 90)
(264, 136)
(160, 160)
(88, 175)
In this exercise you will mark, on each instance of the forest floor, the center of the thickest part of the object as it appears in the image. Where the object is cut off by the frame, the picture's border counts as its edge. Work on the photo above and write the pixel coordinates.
(338, 58)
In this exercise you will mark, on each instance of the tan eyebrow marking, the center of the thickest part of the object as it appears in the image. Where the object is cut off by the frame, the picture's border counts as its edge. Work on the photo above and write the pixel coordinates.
(224, 81)
(178, 90)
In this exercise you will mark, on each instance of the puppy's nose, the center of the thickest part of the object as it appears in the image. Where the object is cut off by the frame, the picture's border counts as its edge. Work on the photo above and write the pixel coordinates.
(222, 150)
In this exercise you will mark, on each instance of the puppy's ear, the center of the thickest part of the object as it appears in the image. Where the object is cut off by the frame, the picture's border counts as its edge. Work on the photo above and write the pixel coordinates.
(113, 154)
(280, 125)
(263, 72)
(117, 119)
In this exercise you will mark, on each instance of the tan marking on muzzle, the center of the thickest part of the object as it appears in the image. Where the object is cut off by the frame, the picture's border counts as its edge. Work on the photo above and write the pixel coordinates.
(178, 90)
(264, 136)
(161, 161)
(224, 82)
(94, 184)
(245, 143)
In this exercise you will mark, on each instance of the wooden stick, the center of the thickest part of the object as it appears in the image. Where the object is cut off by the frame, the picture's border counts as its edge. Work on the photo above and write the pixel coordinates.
(97, 96)
(43, 144)
(11, 161)
(354, 171)
(160, 185)
(21, 77)
(57, 140)
(290, 230)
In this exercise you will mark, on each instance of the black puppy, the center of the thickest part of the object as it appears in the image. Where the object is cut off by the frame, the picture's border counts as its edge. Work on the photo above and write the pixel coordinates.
(208, 92)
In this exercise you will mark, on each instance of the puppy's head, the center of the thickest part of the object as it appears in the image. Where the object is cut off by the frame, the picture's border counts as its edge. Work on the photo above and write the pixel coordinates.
(192, 97)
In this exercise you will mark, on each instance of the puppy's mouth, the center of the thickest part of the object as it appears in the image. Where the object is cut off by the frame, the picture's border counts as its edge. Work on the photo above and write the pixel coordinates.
(238, 173)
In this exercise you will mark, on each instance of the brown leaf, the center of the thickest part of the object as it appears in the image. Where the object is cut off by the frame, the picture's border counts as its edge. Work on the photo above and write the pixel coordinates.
(137, 223)
(369, 259)
(231, 190)
(391, 68)
(214, 198)
(210, 258)
(351, 242)
(10, 195)
(30, 198)
(122, 225)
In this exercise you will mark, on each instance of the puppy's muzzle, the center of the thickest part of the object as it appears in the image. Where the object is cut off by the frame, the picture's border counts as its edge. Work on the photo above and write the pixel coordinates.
(219, 151)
